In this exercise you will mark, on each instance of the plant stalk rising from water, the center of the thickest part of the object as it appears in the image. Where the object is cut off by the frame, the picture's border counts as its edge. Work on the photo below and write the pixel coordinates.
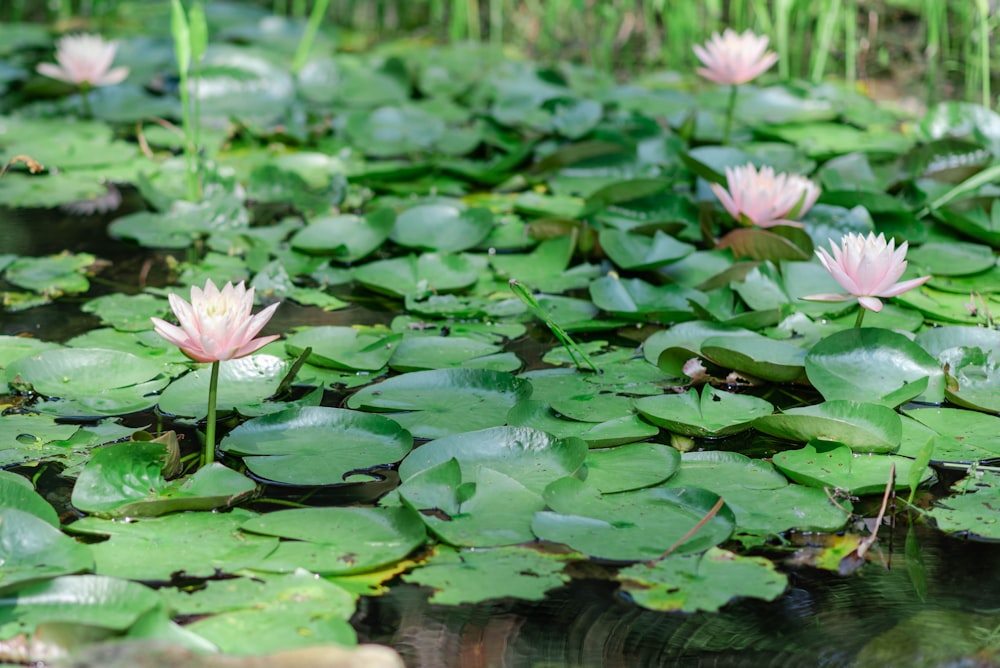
(733, 58)
(216, 326)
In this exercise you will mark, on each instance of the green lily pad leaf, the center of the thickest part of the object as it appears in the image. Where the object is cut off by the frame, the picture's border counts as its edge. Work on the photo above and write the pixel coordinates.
(863, 427)
(442, 226)
(977, 223)
(630, 467)
(278, 614)
(147, 344)
(344, 348)
(33, 549)
(30, 437)
(971, 509)
(440, 402)
(942, 306)
(316, 445)
(90, 600)
(89, 382)
(756, 356)
(472, 576)
(419, 275)
(636, 251)
(52, 276)
(706, 582)
(243, 381)
(669, 349)
(198, 545)
(781, 242)
(66, 143)
(127, 313)
(631, 526)
(970, 355)
(762, 500)
(954, 258)
(337, 541)
(715, 413)
(18, 492)
(834, 465)
(825, 140)
(15, 347)
(184, 222)
(960, 436)
(346, 237)
(576, 315)
(531, 457)
(484, 508)
(545, 267)
(127, 480)
(874, 365)
(394, 131)
(416, 353)
(616, 431)
(635, 298)
(80, 372)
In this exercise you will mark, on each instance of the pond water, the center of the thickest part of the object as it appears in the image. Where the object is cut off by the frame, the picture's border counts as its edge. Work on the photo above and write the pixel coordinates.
(922, 599)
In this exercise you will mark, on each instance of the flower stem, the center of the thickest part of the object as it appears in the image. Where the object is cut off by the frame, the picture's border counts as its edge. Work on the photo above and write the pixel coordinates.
(85, 107)
(730, 111)
(213, 388)
(861, 316)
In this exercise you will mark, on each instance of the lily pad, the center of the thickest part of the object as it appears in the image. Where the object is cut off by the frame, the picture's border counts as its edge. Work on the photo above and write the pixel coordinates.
(346, 237)
(471, 576)
(344, 348)
(478, 508)
(863, 427)
(705, 582)
(184, 544)
(244, 381)
(32, 549)
(629, 467)
(338, 541)
(419, 275)
(825, 464)
(631, 526)
(531, 457)
(757, 356)
(316, 445)
(761, 499)
(714, 414)
(874, 365)
(970, 510)
(442, 226)
(436, 403)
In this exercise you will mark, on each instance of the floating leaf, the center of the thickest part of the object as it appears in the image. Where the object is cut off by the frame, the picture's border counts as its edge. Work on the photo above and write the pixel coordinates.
(715, 413)
(316, 445)
(708, 581)
(863, 427)
(833, 465)
(471, 576)
(431, 404)
(631, 526)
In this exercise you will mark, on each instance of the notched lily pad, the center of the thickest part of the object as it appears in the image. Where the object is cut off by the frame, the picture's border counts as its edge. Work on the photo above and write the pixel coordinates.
(714, 413)
(863, 427)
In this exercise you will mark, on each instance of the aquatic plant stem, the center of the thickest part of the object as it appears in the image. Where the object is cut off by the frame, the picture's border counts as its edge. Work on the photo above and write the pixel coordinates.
(861, 316)
(213, 388)
(730, 110)
(578, 356)
(309, 35)
(86, 109)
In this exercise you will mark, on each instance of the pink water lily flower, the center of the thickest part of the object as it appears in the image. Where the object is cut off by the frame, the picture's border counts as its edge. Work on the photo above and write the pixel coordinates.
(733, 58)
(868, 268)
(216, 326)
(763, 198)
(85, 60)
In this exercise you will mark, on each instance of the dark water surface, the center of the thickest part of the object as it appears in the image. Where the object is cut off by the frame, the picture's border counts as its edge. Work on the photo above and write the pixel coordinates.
(880, 615)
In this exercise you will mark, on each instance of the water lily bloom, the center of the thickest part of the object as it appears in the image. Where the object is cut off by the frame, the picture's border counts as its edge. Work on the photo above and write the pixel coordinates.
(868, 268)
(733, 58)
(85, 60)
(216, 326)
(763, 198)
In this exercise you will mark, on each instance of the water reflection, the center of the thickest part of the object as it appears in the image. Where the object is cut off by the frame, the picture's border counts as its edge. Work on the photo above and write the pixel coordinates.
(874, 617)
